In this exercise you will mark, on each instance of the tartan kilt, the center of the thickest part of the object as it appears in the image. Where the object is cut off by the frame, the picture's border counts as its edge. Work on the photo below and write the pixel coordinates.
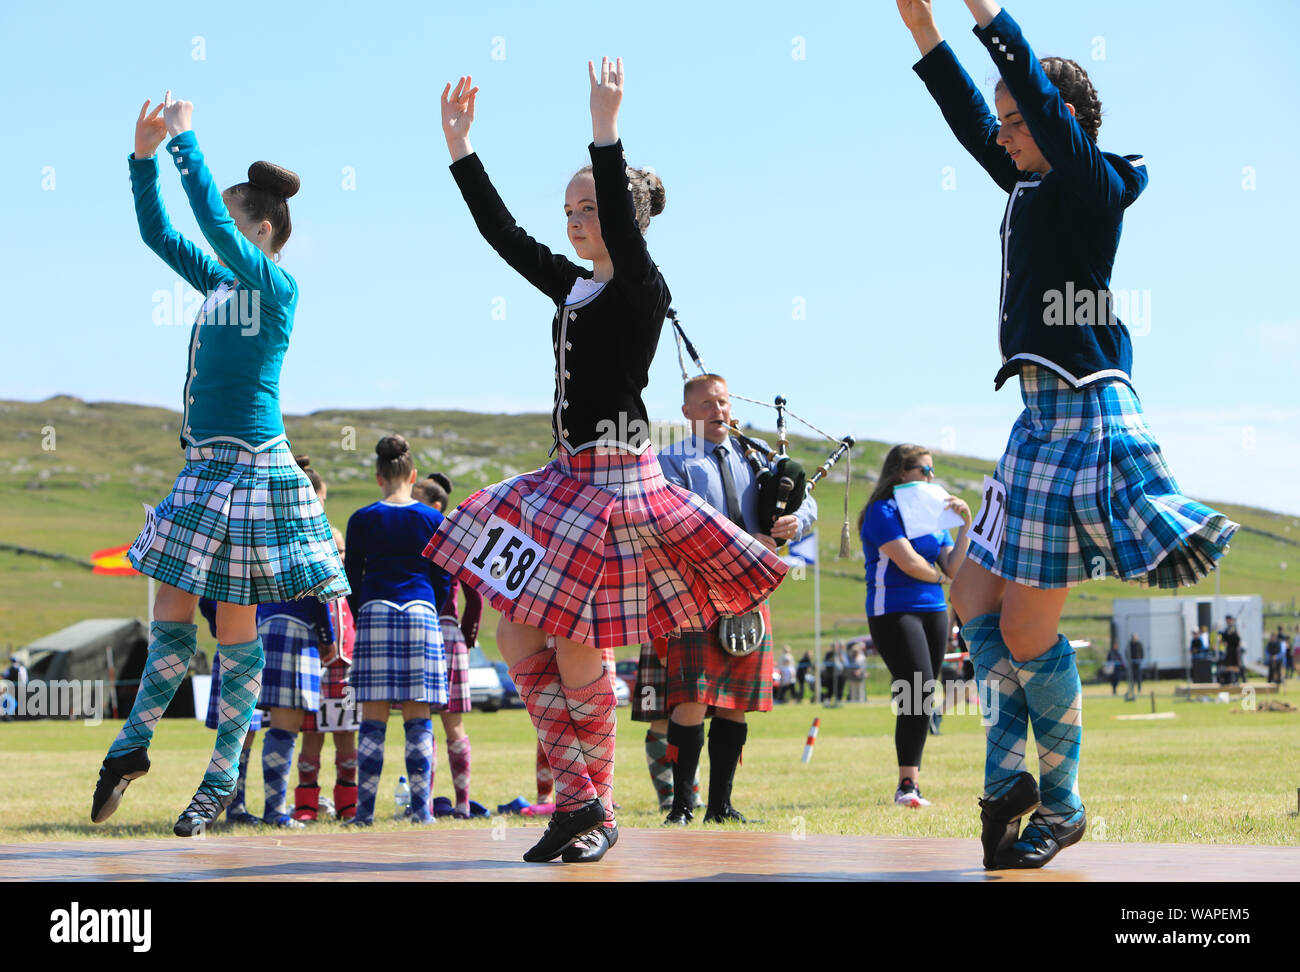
(453, 642)
(1089, 495)
(628, 556)
(651, 674)
(333, 685)
(243, 527)
(398, 655)
(698, 670)
(256, 721)
(291, 675)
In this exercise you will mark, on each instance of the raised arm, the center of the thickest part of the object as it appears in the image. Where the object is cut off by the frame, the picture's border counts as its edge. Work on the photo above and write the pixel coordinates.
(614, 204)
(963, 107)
(253, 268)
(549, 272)
(1070, 150)
(198, 269)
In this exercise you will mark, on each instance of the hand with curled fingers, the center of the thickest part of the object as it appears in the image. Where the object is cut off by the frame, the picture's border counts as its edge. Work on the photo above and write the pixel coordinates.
(606, 96)
(150, 130)
(458, 115)
(177, 115)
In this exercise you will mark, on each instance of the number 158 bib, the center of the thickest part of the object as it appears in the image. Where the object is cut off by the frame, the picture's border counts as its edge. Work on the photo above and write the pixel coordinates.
(504, 557)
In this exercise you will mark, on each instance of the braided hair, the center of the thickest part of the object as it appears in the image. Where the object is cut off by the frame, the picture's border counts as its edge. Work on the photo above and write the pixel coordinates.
(1076, 88)
(647, 194)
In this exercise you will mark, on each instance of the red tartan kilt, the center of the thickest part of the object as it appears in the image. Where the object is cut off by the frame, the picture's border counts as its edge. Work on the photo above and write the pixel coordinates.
(629, 556)
(333, 685)
(700, 671)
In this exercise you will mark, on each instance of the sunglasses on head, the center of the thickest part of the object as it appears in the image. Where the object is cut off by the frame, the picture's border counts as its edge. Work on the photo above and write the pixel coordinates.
(925, 470)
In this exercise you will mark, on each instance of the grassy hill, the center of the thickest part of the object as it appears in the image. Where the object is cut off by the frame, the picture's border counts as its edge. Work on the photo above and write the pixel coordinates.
(73, 476)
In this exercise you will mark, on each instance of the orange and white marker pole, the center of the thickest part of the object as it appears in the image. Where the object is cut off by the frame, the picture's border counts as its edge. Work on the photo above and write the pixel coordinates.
(812, 738)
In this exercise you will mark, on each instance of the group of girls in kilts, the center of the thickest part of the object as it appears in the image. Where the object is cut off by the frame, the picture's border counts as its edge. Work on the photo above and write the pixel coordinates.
(596, 550)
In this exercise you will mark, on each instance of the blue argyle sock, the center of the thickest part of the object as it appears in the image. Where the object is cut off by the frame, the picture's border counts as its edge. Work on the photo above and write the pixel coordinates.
(1055, 697)
(277, 755)
(1002, 703)
(370, 764)
(171, 646)
(241, 684)
(245, 754)
(419, 766)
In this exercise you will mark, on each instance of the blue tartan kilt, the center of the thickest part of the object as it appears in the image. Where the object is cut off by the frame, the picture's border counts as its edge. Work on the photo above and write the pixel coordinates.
(1089, 495)
(243, 527)
(257, 721)
(292, 673)
(399, 655)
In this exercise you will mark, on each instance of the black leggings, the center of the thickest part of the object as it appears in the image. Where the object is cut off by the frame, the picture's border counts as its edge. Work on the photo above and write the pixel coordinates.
(912, 644)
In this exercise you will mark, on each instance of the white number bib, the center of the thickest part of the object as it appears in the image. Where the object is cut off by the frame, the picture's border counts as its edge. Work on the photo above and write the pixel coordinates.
(145, 540)
(337, 715)
(989, 526)
(504, 557)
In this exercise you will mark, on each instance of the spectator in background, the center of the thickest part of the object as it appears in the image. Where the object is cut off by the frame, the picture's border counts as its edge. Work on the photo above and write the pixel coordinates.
(1273, 653)
(1230, 643)
(1136, 657)
(787, 671)
(855, 674)
(801, 675)
(833, 673)
(1113, 668)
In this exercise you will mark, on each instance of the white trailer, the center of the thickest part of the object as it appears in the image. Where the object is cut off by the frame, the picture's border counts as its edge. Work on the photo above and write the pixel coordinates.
(1165, 625)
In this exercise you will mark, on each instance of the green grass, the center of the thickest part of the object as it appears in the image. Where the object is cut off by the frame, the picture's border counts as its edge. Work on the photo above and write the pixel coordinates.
(1212, 774)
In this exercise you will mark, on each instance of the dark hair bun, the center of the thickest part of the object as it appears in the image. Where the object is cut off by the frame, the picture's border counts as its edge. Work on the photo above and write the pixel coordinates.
(443, 480)
(303, 461)
(656, 188)
(391, 447)
(274, 179)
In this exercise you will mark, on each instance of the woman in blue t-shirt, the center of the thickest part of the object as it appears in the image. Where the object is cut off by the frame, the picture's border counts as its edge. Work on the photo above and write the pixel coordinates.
(906, 609)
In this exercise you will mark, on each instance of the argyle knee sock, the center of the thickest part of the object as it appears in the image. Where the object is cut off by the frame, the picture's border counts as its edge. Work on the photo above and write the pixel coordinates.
(592, 711)
(308, 770)
(1055, 697)
(684, 746)
(1002, 701)
(241, 684)
(277, 755)
(726, 740)
(245, 756)
(661, 770)
(419, 765)
(370, 764)
(545, 778)
(171, 646)
(458, 757)
(345, 768)
(538, 680)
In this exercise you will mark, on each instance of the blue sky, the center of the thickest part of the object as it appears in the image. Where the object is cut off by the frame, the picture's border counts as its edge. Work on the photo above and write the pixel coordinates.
(805, 166)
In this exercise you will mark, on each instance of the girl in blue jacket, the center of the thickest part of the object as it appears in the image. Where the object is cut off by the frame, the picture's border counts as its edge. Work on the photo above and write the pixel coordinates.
(1083, 490)
(242, 524)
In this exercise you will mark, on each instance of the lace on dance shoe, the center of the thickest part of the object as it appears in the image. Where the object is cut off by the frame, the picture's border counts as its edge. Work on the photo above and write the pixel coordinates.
(1042, 840)
(565, 827)
(591, 847)
(206, 807)
(114, 777)
(908, 794)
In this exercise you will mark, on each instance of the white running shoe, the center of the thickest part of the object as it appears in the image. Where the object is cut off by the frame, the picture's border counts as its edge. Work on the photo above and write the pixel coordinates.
(907, 795)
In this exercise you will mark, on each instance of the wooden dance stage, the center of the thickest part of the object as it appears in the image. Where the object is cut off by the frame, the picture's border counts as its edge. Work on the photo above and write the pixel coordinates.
(641, 855)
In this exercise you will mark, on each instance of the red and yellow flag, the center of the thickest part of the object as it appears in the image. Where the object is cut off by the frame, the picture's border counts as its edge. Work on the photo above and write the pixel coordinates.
(113, 562)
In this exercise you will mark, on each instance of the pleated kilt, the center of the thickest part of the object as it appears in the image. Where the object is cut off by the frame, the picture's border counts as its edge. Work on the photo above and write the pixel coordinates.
(1089, 495)
(291, 675)
(650, 694)
(333, 685)
(698, 670)
(259, 717)
(399, 654)
(244, 527)
(453, 643)
(628, 557)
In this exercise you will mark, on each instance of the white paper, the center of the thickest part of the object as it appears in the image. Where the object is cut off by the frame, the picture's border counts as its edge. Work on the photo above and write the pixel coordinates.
(921, 506)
